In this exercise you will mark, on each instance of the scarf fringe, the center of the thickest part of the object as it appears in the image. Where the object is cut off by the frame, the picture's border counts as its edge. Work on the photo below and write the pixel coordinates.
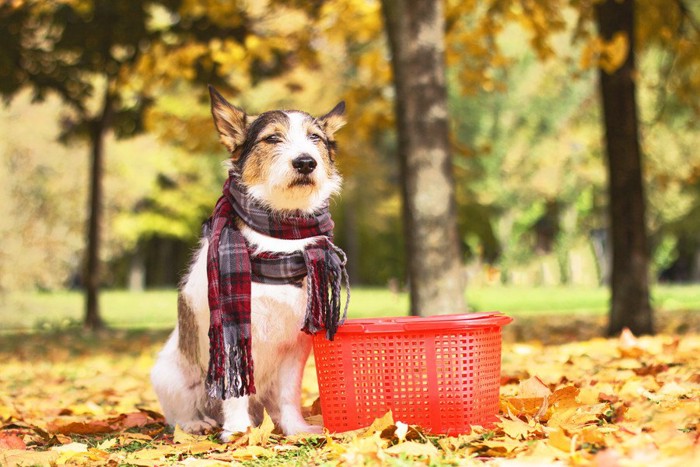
(230, 365)
(325, 264)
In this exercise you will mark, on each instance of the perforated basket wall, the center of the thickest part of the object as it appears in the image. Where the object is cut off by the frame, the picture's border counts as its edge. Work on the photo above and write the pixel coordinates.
(442, 373)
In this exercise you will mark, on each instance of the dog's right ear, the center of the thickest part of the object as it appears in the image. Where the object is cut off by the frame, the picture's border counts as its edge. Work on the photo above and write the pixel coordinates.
(231, 122)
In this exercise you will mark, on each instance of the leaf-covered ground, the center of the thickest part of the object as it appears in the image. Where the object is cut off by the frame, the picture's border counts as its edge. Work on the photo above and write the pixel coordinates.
(68, 399)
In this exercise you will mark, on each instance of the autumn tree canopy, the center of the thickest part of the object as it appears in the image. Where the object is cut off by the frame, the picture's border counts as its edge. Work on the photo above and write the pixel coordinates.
(107, 60)
(525, 132)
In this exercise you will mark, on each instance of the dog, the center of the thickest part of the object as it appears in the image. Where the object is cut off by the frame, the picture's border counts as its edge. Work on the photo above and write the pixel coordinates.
(285, 160)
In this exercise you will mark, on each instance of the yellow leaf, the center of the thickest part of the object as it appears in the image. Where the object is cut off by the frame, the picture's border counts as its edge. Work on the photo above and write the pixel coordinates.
(413, 449)
(534, 387)
(627, 344)
(251, 452)
(593, 435)
(260, 435)
(531, 406)
(500, 447)
(157, 454)
(71, 447)
(614, 53)
(195, 462)
(516, 428)
(560, 440)
(564, 397)
(182, 437)
(107, 444)
(380, 424)
(12, 457)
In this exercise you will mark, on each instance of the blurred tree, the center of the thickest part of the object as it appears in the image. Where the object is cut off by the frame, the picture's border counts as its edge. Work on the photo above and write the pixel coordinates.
(107, 60)
(630, 306)
(416, 31)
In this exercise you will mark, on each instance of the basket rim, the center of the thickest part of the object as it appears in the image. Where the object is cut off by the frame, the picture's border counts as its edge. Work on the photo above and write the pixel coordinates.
(452, 322)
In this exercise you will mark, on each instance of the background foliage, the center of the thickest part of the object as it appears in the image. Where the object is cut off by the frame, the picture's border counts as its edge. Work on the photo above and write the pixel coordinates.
(526, 136)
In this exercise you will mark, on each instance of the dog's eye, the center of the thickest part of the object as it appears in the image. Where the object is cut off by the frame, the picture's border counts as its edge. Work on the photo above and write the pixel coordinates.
(273, 139)
(314, 137)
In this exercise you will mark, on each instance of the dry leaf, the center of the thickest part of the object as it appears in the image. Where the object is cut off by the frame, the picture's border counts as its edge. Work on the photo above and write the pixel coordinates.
(413, 449)
(182, 437)
(11, 441)
(380, 424)
(250, 452)
(628, 345)
(260, 435)
(21, 457)
(560, 440)
(77, 427)
(533, 387)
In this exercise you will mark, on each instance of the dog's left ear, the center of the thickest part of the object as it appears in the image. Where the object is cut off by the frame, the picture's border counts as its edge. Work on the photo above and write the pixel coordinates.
(231, 122)
(333, 120)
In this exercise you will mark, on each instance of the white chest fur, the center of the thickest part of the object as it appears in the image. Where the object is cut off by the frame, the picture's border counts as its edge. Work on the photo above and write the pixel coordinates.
(277, 310)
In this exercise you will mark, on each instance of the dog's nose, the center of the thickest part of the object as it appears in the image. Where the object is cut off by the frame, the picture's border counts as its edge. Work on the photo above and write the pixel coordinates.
(304, 164)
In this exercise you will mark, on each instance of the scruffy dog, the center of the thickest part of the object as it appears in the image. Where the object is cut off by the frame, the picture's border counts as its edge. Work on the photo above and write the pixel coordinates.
(258, 286)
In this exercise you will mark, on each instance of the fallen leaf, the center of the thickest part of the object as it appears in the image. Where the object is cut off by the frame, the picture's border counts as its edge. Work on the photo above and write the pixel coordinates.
(107, 444)
(380, 424)
(259, 436)
(11, 441)
(560, 440)
(71, 447)
(157, 453)
(250, 452)
(182, 437)
(77, 427)
(535, 407)
(533, 387)
(518, 429)
(197, 462)
(21, 457)
(628, 345)
(502, 447)
(413, 449)
(564, 397)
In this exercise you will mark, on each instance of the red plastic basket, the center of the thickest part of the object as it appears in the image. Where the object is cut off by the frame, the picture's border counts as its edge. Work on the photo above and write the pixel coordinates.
(441, 372)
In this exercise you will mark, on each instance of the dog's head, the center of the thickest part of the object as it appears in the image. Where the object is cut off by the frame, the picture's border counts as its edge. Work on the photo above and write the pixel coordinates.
(286, 159)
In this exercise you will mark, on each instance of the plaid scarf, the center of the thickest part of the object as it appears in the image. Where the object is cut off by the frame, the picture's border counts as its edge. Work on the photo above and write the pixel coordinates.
(231, 268)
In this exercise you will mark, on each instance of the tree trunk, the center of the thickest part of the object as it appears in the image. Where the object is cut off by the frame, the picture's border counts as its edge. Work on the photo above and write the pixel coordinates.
(98, 129)
(416, 32)
(630, 305)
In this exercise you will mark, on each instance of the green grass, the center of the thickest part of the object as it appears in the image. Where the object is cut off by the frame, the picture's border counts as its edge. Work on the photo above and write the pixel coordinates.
(157, 309)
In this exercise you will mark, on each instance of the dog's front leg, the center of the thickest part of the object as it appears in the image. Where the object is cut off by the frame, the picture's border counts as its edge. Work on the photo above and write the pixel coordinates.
(236, 416)
(289, 386)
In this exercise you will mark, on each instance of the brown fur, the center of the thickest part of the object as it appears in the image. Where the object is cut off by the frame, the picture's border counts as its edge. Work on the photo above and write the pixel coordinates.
(187, 323)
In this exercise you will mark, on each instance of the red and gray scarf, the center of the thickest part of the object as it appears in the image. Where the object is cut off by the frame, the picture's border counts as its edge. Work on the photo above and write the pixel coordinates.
(231, 268)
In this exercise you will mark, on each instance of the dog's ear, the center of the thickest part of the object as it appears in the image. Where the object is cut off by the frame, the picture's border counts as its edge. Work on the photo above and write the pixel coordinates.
(333, 120)
(231, 122)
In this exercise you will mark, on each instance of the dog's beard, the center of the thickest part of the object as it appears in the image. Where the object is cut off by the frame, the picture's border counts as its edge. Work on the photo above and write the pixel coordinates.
(302, 181)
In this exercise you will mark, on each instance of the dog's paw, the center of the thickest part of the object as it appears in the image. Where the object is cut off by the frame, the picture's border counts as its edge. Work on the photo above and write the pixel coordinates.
(197, 427)
(303, 428)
